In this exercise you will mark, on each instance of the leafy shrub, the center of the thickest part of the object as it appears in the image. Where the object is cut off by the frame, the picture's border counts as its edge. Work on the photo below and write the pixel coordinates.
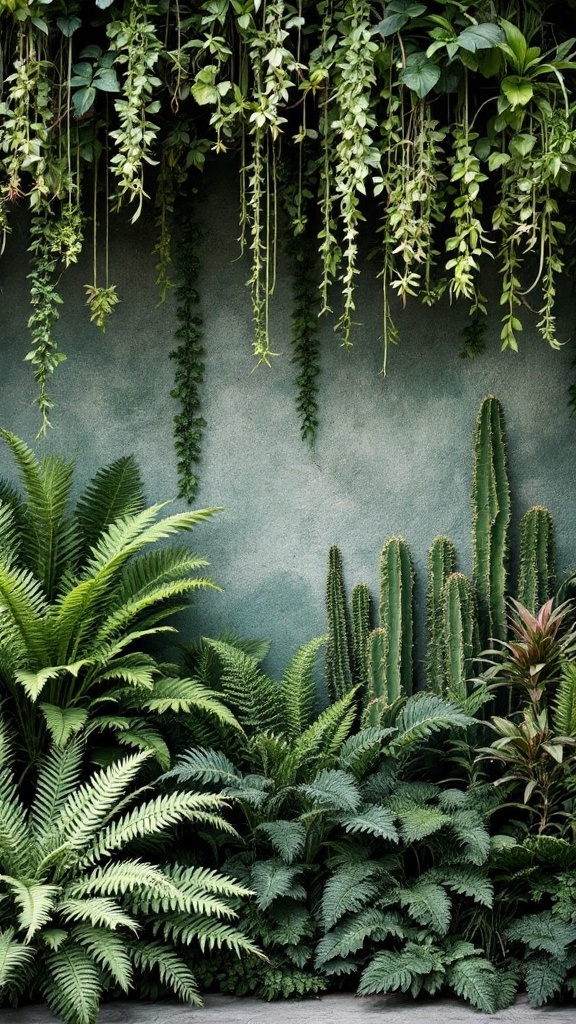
(81, 594)
(80, 914)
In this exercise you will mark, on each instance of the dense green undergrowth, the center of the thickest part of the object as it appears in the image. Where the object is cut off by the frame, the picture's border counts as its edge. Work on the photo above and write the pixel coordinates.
(173, 828)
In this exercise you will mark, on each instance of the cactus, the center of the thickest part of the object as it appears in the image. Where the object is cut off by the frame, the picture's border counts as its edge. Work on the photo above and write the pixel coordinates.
(460, 632)
(396, 615)
(376, 697)
(360, 631)
(491, 516)
(537, 563)
(338, 670)
(441, 563)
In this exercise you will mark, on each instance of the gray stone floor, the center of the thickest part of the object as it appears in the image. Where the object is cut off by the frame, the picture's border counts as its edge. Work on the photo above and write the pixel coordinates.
(333, 1009)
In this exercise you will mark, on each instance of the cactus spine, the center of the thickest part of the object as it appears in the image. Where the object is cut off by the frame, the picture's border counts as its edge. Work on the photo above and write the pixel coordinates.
(338, 670)
(360, 631)
(491, 517)
(376, 693)
(460, 632)
(441, 563)
(537, 561)
(396, 615)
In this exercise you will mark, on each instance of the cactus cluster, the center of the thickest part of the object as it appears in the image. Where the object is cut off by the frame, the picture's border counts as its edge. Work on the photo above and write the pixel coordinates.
(463, 615)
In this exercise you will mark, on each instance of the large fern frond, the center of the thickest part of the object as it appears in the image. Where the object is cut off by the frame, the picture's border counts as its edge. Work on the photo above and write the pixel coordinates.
(109, 951)
(565, 703)
(153, 956)
(22, 609)
(73, 986)
(424, 714)
(272, 878)
(349, 889)
(88, 808)
(35, 902)
(187, 695)
(209, 934)
(204, 765)
(253, 696)
(428, 904)
(98, 911)
(298, 689)
(320, 743)
(115, 491)
(390, 970)
(15, 957)
(334, 789)
(475, 980)
(347, 938)
(50, 540)
(287, 837)
(154, 817)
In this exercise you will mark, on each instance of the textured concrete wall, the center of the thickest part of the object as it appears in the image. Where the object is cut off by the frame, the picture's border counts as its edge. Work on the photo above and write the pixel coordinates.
(391, 457)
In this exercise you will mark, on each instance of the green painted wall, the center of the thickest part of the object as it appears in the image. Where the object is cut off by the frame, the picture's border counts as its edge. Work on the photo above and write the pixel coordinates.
(391, 457)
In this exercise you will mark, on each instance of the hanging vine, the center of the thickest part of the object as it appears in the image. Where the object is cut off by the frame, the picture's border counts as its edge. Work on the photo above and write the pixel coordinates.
(455, 122)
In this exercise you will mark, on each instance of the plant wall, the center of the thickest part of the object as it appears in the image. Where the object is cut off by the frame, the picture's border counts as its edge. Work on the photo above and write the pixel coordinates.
(448, 126)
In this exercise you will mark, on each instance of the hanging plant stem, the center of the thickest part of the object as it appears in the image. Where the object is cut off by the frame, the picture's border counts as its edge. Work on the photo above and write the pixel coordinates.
(44, 354)
(188, 423)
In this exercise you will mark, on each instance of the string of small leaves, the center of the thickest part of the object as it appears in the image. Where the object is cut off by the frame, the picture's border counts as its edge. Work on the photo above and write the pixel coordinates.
(457, 120)
(188, 355)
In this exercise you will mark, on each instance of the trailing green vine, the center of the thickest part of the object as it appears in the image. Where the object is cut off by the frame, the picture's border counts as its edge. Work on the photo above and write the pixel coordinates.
(450, 127)
(188, 423)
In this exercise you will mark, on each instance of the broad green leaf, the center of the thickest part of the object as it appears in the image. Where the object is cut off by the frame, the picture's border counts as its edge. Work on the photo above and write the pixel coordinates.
(82, 100)
(420, 75)
(522, 145)
(480, 37)
(518, 91)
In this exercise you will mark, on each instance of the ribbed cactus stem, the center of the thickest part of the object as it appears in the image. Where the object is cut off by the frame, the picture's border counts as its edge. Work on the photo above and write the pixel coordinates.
(441, 563)
(338, 670)
(491, 517)
(460, 632)
(376, 693)
(360, 631)
(537, 558)
(397, 615)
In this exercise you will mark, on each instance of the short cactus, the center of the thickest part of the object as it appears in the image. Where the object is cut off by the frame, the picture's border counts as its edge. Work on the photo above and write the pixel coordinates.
(376, 694)
(460, 632)
(537, 561)
(338, 669)
(491, 517)
(360, 631)
(441, 563)
(397, 615)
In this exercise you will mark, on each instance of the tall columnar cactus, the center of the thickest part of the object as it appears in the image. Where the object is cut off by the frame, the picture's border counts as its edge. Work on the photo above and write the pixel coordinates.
(360, 631)
(537, 558)
(338, 668)
(441, 563)
(376, 694)
(397, 615)
(460, 632)
(491, 517)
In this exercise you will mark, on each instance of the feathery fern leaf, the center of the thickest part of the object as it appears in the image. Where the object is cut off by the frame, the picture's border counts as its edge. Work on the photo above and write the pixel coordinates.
(475, 980)
(287, 837)
(253, 695)
(390, 971)
(14, 958)
(62, 723)
(97, 911)
(351, 935)
(428, 904)
(375, 820)
(87, 809)
(424, 714)
(334, 789)
(107, 950)
(545, 976)
(73, 987)
(187, 695)
(115, 491)
(153, 956)
(298, 689)
(418, 823)
(272, 878)
(349, 889)
(36, 903)
(368, 741)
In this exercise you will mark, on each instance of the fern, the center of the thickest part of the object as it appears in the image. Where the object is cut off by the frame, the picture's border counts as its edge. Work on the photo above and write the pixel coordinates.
(115, 491)
(424, 714)
(428, 904)
(298, 690)
(73, 985)
(545, 977)
(173, 971)
(287, 838)
(109, 951)
(350, 936)
(254, 697)
(475, 980)
(390, 971)
(374, 820)
(271, 879)
(14, 957)
(348, 890)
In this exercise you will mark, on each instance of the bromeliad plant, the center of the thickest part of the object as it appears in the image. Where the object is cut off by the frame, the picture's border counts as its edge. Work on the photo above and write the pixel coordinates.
(82, 591)
(81, 913)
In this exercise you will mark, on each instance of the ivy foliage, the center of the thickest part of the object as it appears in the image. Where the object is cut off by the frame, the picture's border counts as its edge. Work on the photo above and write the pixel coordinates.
(449, 126)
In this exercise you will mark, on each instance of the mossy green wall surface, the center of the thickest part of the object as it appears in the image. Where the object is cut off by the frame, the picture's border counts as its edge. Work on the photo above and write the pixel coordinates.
(391, 456)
